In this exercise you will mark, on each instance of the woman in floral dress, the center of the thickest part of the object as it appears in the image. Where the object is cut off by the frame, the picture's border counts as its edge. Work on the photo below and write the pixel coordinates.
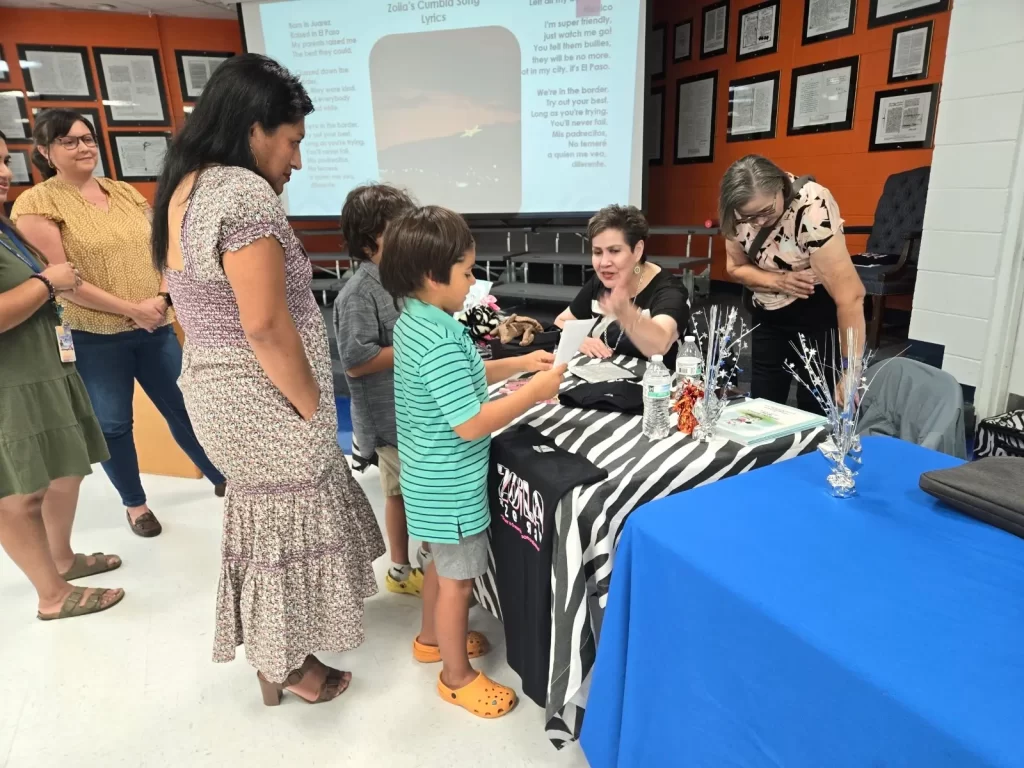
(299, 535)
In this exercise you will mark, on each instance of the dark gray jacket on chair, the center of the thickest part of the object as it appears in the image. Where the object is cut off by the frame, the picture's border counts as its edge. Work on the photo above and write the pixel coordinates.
(917, 403)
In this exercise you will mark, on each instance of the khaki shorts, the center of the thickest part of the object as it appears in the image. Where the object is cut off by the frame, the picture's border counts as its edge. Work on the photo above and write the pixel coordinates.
(390, 469)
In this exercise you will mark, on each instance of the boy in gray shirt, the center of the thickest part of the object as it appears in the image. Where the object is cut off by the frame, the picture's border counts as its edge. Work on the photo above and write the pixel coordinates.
(364, 318)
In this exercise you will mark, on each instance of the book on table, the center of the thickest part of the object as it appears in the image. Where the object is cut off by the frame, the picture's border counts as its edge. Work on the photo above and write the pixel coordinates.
(753, 422)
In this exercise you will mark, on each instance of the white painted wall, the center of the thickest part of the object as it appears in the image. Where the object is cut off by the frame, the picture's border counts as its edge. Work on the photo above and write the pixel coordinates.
(975, 196)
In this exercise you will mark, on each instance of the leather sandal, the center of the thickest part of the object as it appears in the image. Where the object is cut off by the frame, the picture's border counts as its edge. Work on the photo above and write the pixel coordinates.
(81, 568)
(146, 525)
(334, 685)
(73, 605)
(476, 646)
(483, 697)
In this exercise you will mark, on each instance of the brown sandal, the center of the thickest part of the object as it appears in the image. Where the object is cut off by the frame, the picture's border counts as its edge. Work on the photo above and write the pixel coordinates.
(334, 685)
(73, 605)
(146, 525)
(80, 568)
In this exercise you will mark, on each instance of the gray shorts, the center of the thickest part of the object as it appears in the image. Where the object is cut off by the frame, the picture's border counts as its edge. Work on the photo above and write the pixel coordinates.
(465, 560)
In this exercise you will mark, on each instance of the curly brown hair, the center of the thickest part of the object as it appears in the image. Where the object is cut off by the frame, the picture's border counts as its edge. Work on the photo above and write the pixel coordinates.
(365, 216)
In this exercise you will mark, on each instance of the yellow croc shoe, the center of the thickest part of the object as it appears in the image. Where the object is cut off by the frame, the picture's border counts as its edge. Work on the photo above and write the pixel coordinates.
(413, 585)
(483, 697)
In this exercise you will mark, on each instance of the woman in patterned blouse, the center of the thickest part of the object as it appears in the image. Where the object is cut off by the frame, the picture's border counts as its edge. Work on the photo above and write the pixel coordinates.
(121, 318)
(802, 278)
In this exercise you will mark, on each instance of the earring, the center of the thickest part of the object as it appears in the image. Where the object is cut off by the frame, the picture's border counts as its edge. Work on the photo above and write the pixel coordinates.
(638, 269)
(254, 160)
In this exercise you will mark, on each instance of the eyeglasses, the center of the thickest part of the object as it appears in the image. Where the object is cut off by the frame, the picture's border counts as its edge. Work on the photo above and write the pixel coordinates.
(760, 216)
(70, 143)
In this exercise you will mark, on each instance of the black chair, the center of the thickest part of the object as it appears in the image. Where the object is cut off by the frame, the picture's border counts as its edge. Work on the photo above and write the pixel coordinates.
(888, 267)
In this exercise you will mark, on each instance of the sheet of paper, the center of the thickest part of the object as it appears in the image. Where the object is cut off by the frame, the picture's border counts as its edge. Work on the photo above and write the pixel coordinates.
(602, 371)
(573, 334)
(13, 125)
(822, 97)
(824, 16)
(477, 292)
(911, 47)
(133, 87)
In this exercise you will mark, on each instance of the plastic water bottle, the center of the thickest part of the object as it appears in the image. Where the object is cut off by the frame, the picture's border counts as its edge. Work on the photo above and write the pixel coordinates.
(688, 365)
(657, 400)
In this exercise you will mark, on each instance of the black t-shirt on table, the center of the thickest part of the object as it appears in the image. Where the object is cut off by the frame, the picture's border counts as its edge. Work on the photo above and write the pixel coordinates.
(664, 295)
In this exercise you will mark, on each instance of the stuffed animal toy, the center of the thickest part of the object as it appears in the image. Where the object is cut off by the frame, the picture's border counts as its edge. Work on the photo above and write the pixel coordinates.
(482, 321)
(517, 325)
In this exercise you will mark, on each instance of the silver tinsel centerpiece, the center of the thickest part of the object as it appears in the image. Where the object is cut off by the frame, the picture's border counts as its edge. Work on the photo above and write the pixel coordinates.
(723, 338)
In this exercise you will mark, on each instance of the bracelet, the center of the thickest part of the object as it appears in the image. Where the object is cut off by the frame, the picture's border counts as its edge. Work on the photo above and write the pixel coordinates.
(48, 284)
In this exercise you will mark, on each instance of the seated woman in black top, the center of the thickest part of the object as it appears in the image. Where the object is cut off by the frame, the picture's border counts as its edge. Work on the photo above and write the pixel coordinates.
(641, 310)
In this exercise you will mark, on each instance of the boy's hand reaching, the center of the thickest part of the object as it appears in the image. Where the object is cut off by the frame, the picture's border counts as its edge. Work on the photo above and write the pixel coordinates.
(544, 386)
(537, 361)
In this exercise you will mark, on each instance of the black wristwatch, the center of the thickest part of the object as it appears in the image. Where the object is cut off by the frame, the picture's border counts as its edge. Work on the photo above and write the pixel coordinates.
(166, 297)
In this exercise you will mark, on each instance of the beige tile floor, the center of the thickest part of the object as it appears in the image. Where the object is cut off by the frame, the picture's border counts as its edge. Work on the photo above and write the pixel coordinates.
(135, 686)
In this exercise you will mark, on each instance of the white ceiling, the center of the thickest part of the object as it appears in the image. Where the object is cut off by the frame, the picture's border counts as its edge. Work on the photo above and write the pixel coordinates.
(206, 9)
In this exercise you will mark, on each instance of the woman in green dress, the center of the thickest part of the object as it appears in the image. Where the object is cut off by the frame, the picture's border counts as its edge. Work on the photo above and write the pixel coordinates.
(49, 436)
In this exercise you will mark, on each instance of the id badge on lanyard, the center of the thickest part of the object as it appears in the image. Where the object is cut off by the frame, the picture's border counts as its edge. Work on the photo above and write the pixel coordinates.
(65, 344)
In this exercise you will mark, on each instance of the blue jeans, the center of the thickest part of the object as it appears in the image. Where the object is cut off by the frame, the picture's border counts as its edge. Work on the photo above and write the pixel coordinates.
(109, 365)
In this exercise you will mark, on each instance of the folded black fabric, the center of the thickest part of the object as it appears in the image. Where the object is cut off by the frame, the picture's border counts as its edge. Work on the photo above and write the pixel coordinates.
(990, 490)
(547, 341)
(616, 396)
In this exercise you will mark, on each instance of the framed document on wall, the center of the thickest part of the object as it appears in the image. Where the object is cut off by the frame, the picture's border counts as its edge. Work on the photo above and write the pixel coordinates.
(654, 123)
(132, 85)
(21, 166)
(822, 97)
(758, 33)
(656, 51)
(5, 68)
(139, 156)
(682, 41)
(911, 49)
(695, 118)
(92, 117)
(14, 116)
(753, 107)
(56, 72)
(828, 19)
(882, 12)
(714, 29)
(195, 68)
(904, 118)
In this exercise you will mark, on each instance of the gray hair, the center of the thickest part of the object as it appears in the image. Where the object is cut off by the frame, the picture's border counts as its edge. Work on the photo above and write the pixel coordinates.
(744, 179)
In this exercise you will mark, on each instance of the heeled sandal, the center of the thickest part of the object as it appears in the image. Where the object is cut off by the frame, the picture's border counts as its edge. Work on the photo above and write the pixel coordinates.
(335, 684)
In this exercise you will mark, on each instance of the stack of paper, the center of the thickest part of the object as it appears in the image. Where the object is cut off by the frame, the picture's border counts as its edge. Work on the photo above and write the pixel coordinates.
(759, 421)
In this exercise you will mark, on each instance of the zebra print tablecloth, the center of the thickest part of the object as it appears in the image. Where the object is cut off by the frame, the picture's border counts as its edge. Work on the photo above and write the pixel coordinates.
(589, 520)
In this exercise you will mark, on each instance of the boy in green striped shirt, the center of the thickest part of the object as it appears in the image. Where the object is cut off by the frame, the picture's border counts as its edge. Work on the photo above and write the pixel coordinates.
(444, 425)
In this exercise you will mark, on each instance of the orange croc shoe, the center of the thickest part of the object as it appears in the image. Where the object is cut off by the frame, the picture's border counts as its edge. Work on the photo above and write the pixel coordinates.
(483, 697)
(476, 646)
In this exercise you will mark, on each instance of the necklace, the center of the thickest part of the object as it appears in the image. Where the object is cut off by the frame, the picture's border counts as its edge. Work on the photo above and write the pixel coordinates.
(604, 335)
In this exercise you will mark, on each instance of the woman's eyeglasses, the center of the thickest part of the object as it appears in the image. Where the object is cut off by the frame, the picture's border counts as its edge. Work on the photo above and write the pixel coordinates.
(758, 217)
(70, 143)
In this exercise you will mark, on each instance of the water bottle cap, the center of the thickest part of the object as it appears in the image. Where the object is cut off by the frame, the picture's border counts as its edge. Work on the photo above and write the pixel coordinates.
(689, 338)
(656, 358)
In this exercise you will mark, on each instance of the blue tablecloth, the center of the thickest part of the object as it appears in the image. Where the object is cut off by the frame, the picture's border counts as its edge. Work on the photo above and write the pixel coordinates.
(759, 622)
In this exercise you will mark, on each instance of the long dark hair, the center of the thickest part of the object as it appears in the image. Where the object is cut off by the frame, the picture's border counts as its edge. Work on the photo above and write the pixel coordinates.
(52, 124)
(244, 91)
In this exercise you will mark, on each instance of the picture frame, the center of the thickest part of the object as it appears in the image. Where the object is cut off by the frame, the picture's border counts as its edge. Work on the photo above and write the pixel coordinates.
(132, 87)
(823, 20)
(56, 72)
(21, 165)
(5, 68)
(682, 41)
(825, 83)
(911, 51)
(655, 126)
(883, 12)
(908, 118)
(14, 117)
(93, 117)
(656, 50)
(751, 116)
(757, 30)
(714, 29)
(194, 70)
(696, 106)
(138, 155)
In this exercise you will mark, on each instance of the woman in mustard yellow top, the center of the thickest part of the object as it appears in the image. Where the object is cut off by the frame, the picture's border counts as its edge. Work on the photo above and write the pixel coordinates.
(120, 317)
